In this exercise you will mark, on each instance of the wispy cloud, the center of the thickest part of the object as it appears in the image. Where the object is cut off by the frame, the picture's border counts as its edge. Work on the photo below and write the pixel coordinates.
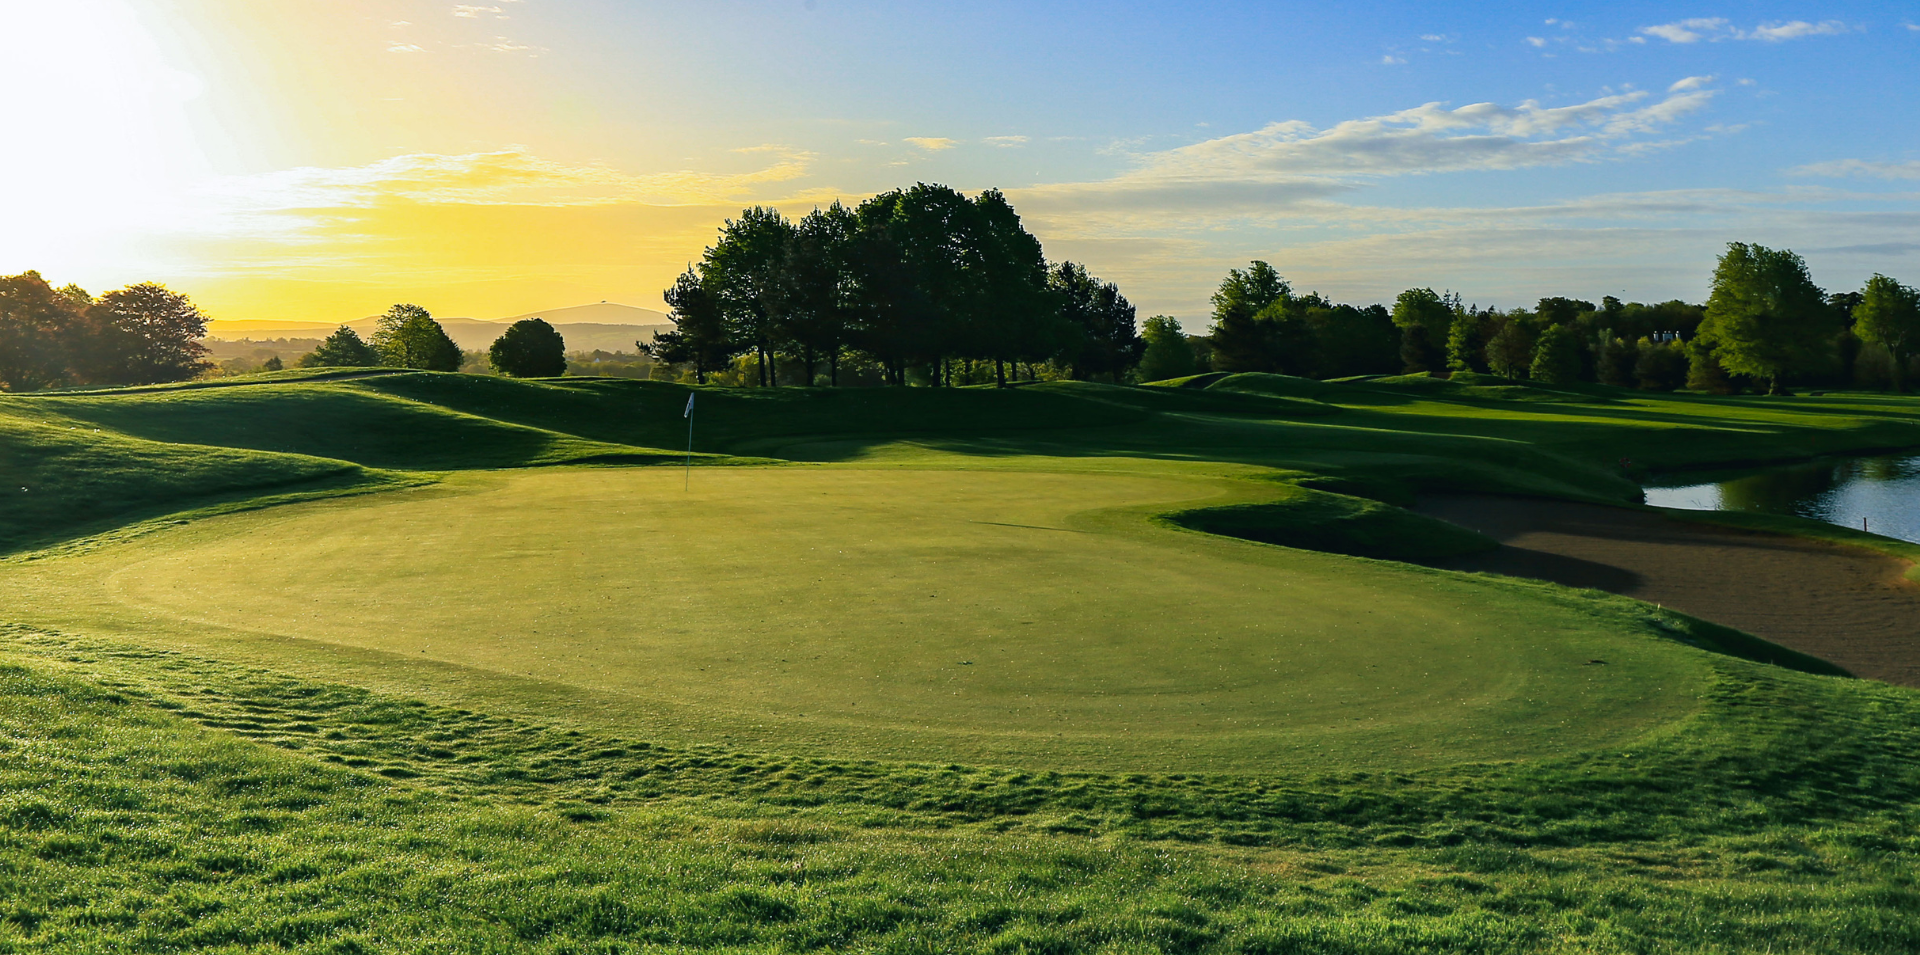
(931, 143)
(471, 12)
(511, 176)
(1860, 169)
(1005, 142)
(406, 48)
(1717, 29)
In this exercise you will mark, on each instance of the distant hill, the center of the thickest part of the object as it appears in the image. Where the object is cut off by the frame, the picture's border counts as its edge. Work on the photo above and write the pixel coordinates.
(604, 313)
(605, 326)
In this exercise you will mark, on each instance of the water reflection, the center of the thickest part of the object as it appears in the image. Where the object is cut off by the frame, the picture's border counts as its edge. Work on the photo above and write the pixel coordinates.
(1881, 494)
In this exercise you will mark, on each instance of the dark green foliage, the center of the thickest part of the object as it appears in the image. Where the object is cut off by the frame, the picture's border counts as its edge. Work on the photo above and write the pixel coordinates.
(1888, 315)
(1240, 339)
(342, 349)
(701, 336)
(1168, 354)
(1556, 357)
(408, 337)
(1616, 362)
(1424, 319)
(1765, 317)
(37, 329)
(1510, 348)
(1348, 340)
(1108, 344)
(1660, 366)
(530, 348)
(140, 335)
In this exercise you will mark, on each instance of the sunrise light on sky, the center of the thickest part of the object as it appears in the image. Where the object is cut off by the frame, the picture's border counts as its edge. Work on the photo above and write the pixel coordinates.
(317, 161)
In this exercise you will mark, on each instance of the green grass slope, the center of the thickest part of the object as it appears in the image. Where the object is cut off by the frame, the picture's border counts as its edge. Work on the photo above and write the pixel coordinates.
(156, 802)
(925, 670)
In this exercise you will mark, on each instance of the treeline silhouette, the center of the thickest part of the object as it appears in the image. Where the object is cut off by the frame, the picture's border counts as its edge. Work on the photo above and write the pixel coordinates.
(929, 286)
(141, 334)
(922, 279)
(1766, 325)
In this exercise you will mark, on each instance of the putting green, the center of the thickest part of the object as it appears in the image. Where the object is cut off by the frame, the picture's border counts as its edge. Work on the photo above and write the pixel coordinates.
(991, 616)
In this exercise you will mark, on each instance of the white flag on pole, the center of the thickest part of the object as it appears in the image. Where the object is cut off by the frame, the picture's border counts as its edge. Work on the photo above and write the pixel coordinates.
(689, 412)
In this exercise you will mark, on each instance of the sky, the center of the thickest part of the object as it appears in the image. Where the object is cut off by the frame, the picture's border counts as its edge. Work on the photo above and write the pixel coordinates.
(318, 160)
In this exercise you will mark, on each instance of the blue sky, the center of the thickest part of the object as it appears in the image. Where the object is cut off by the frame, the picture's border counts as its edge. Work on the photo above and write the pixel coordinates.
(1506, 151)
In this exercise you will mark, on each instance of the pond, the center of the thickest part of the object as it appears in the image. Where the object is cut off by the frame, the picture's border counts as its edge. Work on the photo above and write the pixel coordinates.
(1880, 494)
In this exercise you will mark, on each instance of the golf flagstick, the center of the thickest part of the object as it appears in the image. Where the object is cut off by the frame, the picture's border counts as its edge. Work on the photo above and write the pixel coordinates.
(688, 414)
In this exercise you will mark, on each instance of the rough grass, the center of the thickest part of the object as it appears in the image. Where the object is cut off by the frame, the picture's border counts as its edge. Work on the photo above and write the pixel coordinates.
(153, 802)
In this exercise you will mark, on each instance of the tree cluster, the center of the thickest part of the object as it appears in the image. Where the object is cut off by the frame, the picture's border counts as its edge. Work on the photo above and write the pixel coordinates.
(925, 280)
(1766, 324)
(141, 334)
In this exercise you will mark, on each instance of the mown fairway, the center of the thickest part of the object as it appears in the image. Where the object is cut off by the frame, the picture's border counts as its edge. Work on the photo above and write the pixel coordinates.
(1027, 618)
(418, 662)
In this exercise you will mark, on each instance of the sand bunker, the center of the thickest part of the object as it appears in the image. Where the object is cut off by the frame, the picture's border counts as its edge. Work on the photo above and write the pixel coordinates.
(1843, 604)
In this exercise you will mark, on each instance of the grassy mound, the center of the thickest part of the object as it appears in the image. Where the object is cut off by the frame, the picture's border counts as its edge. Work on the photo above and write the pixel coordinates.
(1340, 524)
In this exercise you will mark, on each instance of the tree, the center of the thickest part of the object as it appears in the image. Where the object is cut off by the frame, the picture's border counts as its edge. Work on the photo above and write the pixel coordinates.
(37, 328)
(1168, 354)
(1464, 345)
(273, 363)
(530, 348)
(1617, 361)
(408, 337)
(1661, 366)
(1108, 342)
(744, 271)
(1765, 317)
(1888, 315)
(1241, 341)
(701, 336)
(1424, 319)
(1510, 348)
(1016, 315)
(819, 286)
(1352, 341)
(143, 334)
(1556, 358)
(342, 349)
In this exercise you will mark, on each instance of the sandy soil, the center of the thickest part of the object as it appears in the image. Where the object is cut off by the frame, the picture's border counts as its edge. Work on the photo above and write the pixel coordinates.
(1842, 604)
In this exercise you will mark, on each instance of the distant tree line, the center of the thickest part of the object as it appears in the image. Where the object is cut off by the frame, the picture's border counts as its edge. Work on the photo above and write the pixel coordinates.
(141, 334)
(1764, 326)
(919, 284)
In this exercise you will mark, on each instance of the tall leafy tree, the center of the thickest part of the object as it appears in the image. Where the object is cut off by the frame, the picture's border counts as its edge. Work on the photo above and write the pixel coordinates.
(37, 327)
(143, 334)
(1510, 347)
(529, 348)
(1556, 357)
(1424, 319)
(819, 288)
(1888, 315)
(1348, 340)
(744, 271)
(1765, 317)
(1241, 340)
(1109, 342)
(408, 337)
(1168, 354)
(701, 336)
(342, 349)
(1016, 317)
